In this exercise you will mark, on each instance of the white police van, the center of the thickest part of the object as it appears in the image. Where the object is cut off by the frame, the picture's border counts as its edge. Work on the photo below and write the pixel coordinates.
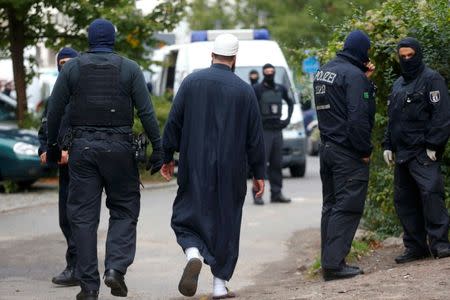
(255, 50)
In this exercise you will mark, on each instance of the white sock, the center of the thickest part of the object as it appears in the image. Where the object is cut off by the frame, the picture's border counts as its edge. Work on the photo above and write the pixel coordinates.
(192, 252)
(219, 288)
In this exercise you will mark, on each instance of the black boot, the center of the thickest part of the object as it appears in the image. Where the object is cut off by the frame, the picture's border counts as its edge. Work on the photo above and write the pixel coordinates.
(410, 256)
(116, 281)
(443, 252)
(341, 273)
(87, 295)
(280, 199)
(66, 278)
(361, 271)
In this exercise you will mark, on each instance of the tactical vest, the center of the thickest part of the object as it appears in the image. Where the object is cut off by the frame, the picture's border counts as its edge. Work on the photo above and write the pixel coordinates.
(270, 104)
(98, 99)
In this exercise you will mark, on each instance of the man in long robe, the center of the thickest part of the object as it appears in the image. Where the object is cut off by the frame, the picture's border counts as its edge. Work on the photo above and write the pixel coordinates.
(215, 125)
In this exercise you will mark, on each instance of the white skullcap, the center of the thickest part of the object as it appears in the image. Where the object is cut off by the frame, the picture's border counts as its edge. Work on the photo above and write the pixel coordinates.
(226, 44)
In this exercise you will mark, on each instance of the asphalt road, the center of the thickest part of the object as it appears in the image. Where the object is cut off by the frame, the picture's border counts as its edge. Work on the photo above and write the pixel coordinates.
(32, 247)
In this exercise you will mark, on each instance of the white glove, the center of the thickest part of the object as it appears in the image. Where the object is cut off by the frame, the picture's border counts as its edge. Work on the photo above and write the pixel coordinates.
(388, 157)
(431, 154)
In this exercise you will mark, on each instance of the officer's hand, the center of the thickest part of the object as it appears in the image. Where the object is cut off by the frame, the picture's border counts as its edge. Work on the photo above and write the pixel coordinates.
(64, 158)
(258, 187)
(371, 68)
(431, 154)
(388, 157)
(43, 158)
(167, 170)
(155, 161)
(366, 160)
(53, 154)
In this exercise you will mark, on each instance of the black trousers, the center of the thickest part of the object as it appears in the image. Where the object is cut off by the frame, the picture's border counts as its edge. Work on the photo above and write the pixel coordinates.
(419, 202)
(64, 224)
(96, 165)
(273, 141)
(344, 187)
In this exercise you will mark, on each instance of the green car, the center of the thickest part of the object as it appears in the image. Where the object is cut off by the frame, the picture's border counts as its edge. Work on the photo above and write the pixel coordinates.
(19, 160)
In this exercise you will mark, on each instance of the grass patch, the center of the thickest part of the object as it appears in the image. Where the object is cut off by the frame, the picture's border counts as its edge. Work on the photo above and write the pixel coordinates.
(358, 250)
(315, 268)
(10, 187)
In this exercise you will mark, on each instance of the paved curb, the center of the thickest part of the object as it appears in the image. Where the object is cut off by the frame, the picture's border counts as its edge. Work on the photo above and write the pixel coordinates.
(160, 185)
(12, 202)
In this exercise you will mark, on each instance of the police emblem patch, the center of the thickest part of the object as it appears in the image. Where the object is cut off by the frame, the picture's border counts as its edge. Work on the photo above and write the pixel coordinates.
(435, 96)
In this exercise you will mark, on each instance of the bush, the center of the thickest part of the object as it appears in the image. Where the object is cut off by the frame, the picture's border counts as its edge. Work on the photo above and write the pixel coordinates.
(32, 121)
(395, 19)
(161, 106)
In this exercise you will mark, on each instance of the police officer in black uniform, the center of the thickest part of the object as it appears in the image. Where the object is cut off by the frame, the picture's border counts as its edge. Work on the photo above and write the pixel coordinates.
(103, 88)
(270, 97)
(415, 139)
(253, 77)
(67, 276)
(345, 104)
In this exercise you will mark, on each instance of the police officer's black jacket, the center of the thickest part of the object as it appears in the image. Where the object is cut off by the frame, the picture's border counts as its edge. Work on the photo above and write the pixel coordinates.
(269, 122)
(419, 116)
(131, 84)
(345, 104)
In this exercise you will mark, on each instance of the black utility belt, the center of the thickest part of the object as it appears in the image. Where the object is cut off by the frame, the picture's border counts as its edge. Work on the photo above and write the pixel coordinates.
(98, 135)
(341, 148)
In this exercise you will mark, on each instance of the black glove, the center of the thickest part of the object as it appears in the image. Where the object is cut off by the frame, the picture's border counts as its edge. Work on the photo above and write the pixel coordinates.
(155, 161)
(53, 154)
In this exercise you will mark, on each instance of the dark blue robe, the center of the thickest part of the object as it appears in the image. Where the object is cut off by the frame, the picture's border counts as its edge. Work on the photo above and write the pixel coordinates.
(215, 125)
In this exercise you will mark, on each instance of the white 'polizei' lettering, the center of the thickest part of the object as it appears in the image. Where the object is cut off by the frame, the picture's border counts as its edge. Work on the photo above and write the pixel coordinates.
(327, 77)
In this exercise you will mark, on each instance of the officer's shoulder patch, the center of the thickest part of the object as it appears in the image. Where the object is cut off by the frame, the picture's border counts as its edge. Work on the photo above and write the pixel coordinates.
(366, 95)
(435, 96)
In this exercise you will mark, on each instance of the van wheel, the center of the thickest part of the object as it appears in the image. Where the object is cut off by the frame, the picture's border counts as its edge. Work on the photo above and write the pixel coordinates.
(298, 170)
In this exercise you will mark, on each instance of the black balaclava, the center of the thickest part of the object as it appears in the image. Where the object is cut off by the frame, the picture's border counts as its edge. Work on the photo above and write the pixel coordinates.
(413, 66)
(253, 80)
(101, 36)
(269, 79)
(357, 44)
(65, 52)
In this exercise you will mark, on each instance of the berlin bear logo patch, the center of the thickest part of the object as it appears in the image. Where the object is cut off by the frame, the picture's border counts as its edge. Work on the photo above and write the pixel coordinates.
(435, 96)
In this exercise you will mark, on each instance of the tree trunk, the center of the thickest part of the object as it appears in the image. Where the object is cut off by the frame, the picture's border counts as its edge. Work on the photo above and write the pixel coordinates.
(17, 45)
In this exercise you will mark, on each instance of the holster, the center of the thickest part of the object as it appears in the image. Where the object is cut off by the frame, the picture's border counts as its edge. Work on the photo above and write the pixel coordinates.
(140, 143)
(67, 140)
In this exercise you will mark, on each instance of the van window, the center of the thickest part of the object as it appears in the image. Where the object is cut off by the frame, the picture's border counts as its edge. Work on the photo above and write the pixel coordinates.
(7, 112)
(281, 77)
(168, 73)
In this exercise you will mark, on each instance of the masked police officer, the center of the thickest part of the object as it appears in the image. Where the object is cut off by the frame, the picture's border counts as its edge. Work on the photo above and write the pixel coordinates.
(270, 97)
(345, 104)
(103, 88)
(67, 277)
(253, 77)
(415, 139)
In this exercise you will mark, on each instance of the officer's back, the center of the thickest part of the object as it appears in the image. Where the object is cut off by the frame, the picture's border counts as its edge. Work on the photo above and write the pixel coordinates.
(345, 107)
(103, 89)
(345, 104)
